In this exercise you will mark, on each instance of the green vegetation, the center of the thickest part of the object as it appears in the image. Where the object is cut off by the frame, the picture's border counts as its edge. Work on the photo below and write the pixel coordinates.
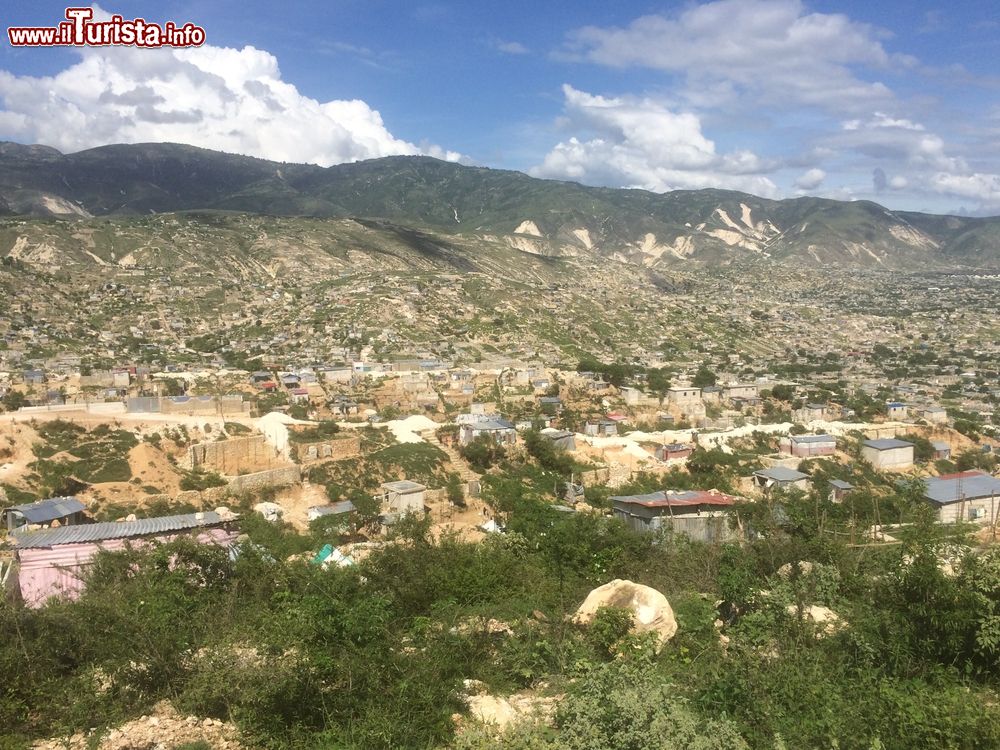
(314, 433)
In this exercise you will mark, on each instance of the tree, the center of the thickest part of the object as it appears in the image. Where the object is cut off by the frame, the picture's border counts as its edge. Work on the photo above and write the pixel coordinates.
(704, 377)
(13, 400)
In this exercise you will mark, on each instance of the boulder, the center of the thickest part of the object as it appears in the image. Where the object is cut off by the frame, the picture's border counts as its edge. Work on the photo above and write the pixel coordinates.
(651, 612)
(827, 621)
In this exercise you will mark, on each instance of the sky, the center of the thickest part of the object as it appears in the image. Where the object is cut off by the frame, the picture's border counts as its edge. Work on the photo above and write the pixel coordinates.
(896, 102)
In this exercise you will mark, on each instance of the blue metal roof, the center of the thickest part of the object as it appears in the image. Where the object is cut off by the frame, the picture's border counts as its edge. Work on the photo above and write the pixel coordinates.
(99, 532)
(49, 510)
(884, 444)
(969, 485)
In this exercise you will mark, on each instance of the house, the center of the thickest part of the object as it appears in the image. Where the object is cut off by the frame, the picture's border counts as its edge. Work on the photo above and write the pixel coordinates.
(741, 392)
(51, 562)
(402, 497)
(808, 445)
(550, 404)
(562, 439)
(934, 414)
(965, 496)
(499, 430)
(672, 451)
(941, 449)
(896, 410)
(68, 511)
(888, 453)
(684, 395)
(601, 428)
(780, 477)
(299, 396)
(699, 514)
(345, 509)
(839, 489)
(33, 377)
(261, 376)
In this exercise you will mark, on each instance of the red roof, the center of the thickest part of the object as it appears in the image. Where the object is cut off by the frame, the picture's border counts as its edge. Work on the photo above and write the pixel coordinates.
(964, 474)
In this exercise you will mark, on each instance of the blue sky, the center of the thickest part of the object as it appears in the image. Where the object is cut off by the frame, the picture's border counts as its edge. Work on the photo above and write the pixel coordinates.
(890, 101)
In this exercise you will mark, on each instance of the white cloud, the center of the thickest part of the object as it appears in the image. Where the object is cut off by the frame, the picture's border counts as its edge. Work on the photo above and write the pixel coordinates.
(231, 100)
(810, 179)
(639, 142)
(984, 188)
(897, 140)
(773, 51)
(512, 48)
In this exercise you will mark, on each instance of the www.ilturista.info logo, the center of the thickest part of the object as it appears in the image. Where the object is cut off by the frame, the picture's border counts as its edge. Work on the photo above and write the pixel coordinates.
(80, 30)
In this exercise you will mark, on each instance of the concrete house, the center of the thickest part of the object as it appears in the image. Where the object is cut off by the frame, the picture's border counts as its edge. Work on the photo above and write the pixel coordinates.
(672, 451)
(965, 496)
(808, 445)
(934, 414)
(780, 477)
(402, 497)
(684, 395)
(601, 428)
(839, 489)
(499, 430)
(888, 453)
(699, 514)
(562, 439)
(741, 391)
(941, 449)
(896, 410)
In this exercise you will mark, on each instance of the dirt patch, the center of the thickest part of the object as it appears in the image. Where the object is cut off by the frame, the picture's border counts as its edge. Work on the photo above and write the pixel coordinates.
(164, 728)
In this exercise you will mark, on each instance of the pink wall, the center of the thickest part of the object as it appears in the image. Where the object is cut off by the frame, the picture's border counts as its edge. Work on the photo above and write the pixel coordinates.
(57, 571)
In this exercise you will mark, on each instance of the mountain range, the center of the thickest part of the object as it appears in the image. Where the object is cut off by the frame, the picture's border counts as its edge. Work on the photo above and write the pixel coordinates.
(443, 204)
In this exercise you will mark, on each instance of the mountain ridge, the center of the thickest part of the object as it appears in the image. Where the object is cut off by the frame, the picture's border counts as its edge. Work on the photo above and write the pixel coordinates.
(531, 215)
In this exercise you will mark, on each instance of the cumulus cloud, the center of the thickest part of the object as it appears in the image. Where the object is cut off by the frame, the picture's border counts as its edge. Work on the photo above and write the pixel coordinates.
(810, 179)
(231, 100)
(771, 50)
(639, 142)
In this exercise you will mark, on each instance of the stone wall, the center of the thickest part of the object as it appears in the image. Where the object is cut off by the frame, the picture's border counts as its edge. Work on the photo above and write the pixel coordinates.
(262, 480)
(338, 449)
(235, 455)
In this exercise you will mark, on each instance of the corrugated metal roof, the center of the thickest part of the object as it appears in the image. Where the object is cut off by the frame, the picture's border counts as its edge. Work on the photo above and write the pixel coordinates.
(403, 485)
(813, 439)
(49, 510)
(675, 499)
(781, 474)
(884, 444)
(967, 485)
(840, 484)
(97, 532)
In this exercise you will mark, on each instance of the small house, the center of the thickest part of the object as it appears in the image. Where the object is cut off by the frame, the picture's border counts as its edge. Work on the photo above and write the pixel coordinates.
(63, 511)
(499, 430)
(839, 489)
(896, 410)
(808, 445)
(780, 477)
(684, 395)
(402, 497)
(51, 562)
(941, 449)
(699, 514)
(965, 496)
(562, 439)
(672, 451)
(601, 428)
(888, 453)
(344, 509)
